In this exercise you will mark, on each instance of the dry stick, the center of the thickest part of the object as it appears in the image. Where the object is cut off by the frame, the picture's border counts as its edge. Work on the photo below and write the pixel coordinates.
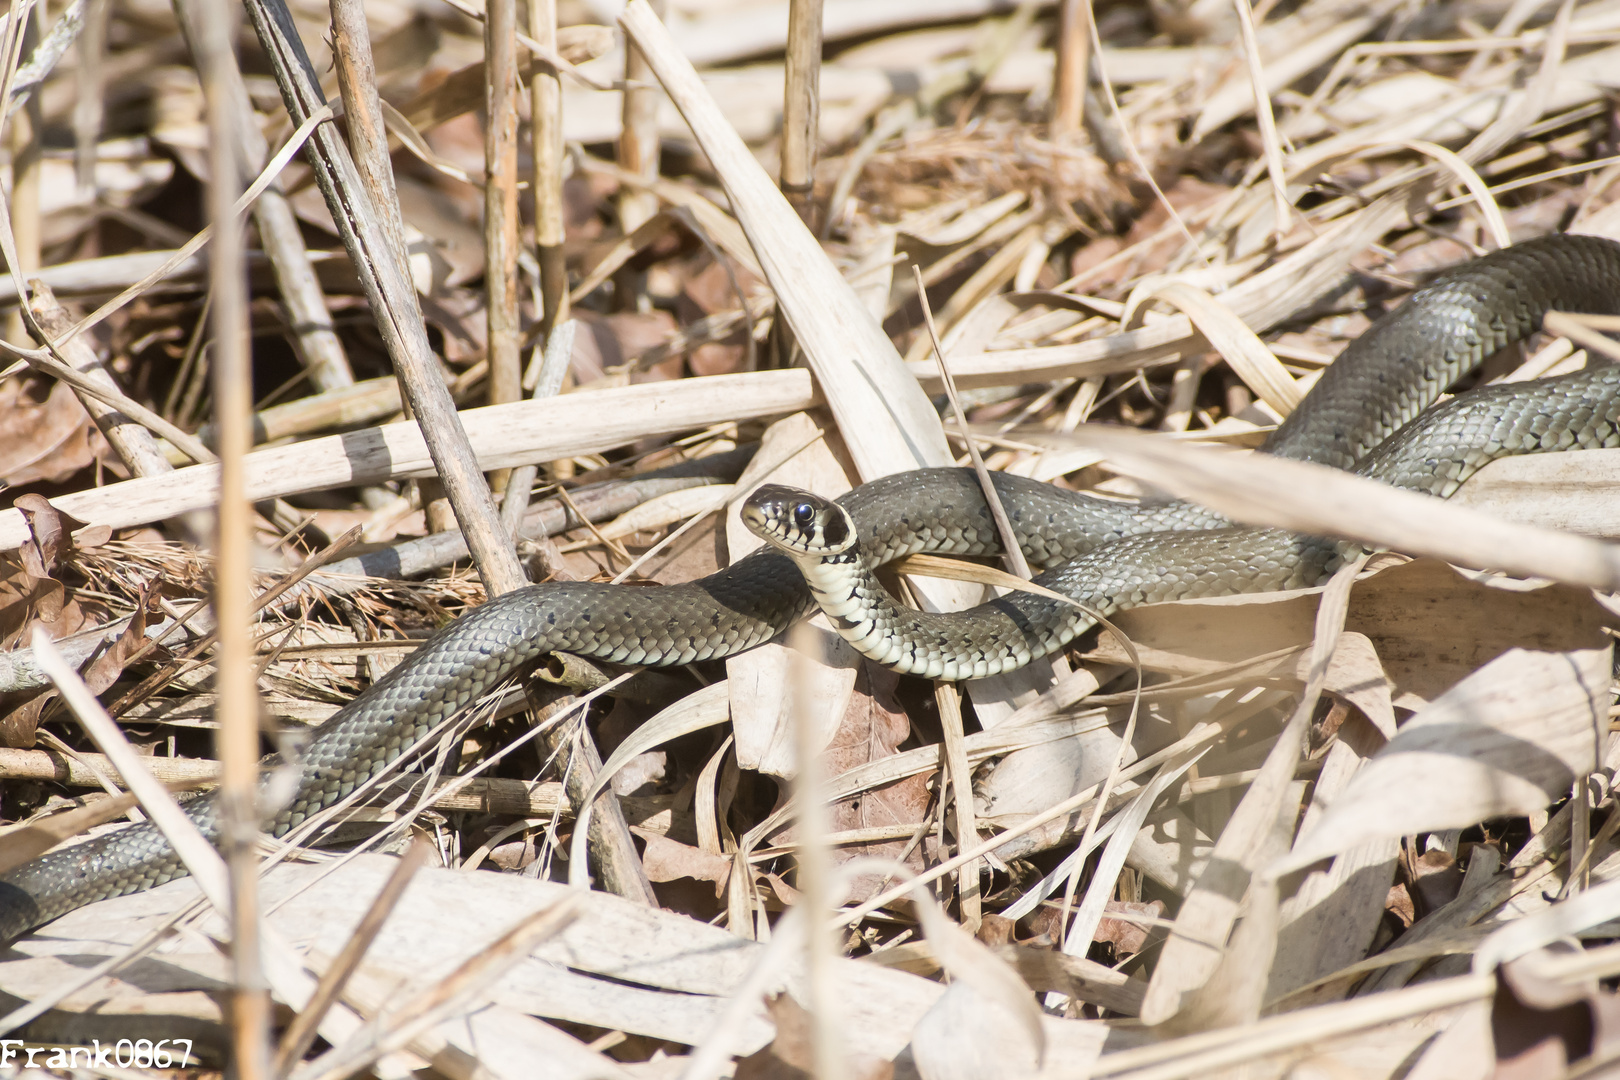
(948, 700)
(133, 443)
(801, 107)
(392, 297)
(319, 349)
(611, 845)
(546, 137)
(558, 352)
(362, 109)
(638, 148)
(42, 61)
(301, 1032)
(27, 128)
(1073, 65)
(507, 435)
(236, 680)
(44, 361)
(89, 111)
(544, 52)
(1009, 539)
(1583, 330)
(501, 203)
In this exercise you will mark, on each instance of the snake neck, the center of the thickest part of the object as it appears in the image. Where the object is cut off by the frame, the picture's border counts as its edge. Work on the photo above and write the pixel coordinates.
(1002, 635)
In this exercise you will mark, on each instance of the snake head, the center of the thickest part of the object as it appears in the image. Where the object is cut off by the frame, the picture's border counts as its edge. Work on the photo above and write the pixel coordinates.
(798, 522)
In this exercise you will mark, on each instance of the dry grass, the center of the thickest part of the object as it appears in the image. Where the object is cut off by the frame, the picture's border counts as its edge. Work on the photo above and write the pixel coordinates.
(1367, 830)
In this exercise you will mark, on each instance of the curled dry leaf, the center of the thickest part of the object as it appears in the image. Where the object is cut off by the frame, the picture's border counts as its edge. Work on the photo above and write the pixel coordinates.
(1542, 1025)
(667, 860)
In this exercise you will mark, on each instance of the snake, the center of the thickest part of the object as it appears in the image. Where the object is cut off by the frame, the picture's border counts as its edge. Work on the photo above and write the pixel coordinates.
(1373, 411)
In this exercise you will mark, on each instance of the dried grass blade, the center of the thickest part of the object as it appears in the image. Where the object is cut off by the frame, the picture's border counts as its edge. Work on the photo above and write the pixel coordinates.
(1508, 740)
(704, 709)
(1238, 345)
(1314, 499)
(883, 415)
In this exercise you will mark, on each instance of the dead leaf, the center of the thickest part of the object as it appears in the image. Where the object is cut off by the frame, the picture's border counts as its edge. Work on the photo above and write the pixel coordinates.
(873, 728)
(45, 434)
(50, 534)
(1541, 1026)
(1509, 739)
(789, 1056)
(1128, 936)
(667, 860)
(1399, 904)
(1432, 626)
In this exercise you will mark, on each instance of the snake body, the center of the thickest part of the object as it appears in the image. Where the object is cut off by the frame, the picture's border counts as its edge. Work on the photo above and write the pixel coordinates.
(1108, 554)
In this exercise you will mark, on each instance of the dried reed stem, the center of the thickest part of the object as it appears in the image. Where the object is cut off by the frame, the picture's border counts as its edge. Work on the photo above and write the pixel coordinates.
(380, 265)
(237, 712)
(546, 133)
(501, 202)
(801, 107)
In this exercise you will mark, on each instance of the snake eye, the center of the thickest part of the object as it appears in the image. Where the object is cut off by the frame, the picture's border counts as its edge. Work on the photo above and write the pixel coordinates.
(804, 515)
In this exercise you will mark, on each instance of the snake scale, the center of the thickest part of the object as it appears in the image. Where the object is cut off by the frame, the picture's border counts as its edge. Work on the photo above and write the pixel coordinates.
(1108, 554)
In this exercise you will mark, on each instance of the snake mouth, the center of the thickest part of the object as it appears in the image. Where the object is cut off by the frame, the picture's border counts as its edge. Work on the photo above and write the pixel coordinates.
(798, 522)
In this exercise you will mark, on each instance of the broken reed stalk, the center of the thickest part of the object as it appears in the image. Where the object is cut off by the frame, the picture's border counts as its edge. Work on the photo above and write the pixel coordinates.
(504, 436)
(380, 265)
(546, 134)
(90, 110)
(236, 675)
(501, 203)
(948, 699)
(801, 108)
(363, 117)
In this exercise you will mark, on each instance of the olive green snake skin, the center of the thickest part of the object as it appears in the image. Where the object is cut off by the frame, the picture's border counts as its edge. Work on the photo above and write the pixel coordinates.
(1106, 554)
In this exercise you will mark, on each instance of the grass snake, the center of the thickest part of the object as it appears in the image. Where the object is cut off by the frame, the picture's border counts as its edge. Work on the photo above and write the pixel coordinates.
(1108, 554)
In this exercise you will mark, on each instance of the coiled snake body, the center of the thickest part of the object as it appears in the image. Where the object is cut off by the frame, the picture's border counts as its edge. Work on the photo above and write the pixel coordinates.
(1106, 554)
